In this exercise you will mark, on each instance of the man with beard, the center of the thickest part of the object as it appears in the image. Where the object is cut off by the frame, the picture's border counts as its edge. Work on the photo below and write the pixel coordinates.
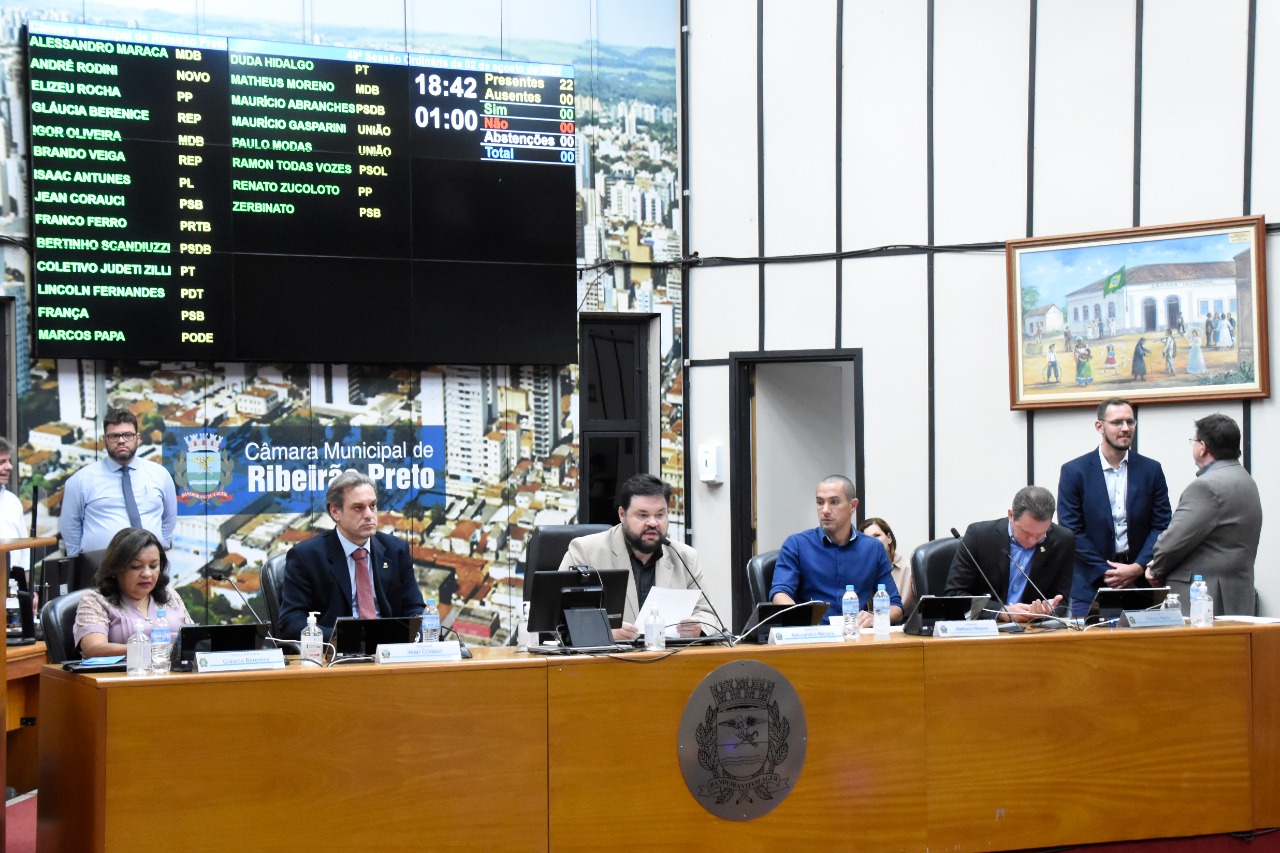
(636, 543)
(1117, 504)
(120, 491)
(817, 564)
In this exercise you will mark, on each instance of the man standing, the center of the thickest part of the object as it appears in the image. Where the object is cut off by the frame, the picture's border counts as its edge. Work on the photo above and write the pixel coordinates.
(11, 526)
(104, 497)
(638, 543)
(1026, 557)
(1215, 529)
(1116, 502)
(817, 564)
(353, 570)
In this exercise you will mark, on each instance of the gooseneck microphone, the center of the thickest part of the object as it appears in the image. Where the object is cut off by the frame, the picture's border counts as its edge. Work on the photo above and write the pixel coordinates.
(226, 576)
(1004, 608)
(724, 632)
(1051, 616)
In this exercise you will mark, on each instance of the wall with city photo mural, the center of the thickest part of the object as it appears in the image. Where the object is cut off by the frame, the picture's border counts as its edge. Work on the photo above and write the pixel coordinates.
(470, 458)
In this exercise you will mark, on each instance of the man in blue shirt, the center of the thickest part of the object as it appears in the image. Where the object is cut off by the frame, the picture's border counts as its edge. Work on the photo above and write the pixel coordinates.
(120, 491)
(817, 564)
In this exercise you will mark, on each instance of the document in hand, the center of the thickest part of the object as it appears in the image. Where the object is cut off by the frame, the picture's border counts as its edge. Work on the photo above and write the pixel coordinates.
(673, 605)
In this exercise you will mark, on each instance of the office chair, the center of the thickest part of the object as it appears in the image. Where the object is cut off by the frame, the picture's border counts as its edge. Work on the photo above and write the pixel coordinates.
(930, 564)
(548, 545)
(760, 576)
(271, 583)
(58, 617)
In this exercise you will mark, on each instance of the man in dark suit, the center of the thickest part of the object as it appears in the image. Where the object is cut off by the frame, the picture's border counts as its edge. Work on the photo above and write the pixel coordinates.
(1215, 530)
(352, 570)
(1117, 504)
(1026, 556)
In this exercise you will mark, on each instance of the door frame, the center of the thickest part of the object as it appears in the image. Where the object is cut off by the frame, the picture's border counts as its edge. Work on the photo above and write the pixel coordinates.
(741, 482)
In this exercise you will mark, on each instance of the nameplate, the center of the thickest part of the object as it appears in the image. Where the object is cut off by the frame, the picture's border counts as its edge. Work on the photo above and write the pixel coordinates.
(444, 650)
(951, 629)
(239, 661)
(1152, 619)
(806, 634)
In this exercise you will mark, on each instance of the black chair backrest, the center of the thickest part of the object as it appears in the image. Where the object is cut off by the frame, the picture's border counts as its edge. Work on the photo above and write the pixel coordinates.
(548, 545)
(271, 583)
(58, 618)
(760, 576)
(931, 562)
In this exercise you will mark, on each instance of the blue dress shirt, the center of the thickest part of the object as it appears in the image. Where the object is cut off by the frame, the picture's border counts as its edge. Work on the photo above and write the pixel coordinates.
(811, 567)
(93, 504)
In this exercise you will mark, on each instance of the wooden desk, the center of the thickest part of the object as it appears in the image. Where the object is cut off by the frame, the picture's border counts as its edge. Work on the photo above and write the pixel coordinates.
(1031, 741)
(22, 689)
(347, 758)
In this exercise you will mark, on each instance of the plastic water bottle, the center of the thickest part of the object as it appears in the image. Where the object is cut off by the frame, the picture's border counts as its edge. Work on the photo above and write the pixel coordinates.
(13, 612)
(137, 659)
(880, 612)
(1171, 602)
(1199, 595)
(431, 622)
(655, 632)
(161, 643)
(849, 606)
(312, 640)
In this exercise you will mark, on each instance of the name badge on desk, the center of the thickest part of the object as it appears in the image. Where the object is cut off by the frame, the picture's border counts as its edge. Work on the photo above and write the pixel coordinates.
(442, 651)
(1152, 619)
(951, 629)
(239, 661)
(806, 634)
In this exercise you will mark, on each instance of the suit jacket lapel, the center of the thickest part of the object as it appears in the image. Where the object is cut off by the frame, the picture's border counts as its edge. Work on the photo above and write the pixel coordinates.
(338, 568)
(377, 556)
(622, 560)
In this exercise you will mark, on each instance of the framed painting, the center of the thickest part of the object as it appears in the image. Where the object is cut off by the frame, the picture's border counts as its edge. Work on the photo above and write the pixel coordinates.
(1156, 314)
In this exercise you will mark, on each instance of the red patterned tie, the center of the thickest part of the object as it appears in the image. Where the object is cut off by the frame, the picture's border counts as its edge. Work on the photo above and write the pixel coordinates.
(364, 585)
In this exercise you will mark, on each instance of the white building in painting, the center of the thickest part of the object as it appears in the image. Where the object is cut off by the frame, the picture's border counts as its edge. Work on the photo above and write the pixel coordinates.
(1154, 295)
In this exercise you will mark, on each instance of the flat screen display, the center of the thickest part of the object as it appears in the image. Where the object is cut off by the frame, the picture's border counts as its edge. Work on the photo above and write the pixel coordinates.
(223, 199)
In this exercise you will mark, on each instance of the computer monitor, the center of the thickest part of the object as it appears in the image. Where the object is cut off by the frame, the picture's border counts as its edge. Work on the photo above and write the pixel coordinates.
(579, 587)
(931, 609)
(1110, 603)
(193, 639)
(361, 637)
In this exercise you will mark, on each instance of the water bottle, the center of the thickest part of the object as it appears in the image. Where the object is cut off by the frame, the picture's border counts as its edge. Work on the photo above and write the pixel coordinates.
(880, 612)
(12, 612)
(431, 622)
(161, 643)
(1200, 592)
(849, 606)
(312, 640)
(655, 632)
(1171, 602)
(137, 659)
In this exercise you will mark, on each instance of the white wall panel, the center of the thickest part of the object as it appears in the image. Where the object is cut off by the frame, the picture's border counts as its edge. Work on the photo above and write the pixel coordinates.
(980, 120)
(1060, 435)
(1193, 83)
(722, 129)
(709, 421)
(725, 300)
(884, 313)
(981, 449)
(1266, 113)
(1084, 116)
(800, 306)
(886, 194)
(1265, 462)
(799, 126)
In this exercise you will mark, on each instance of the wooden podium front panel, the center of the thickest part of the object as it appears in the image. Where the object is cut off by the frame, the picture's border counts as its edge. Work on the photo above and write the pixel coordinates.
(614, 768)
(1266, 726)
(448, 757)
(1052, 740)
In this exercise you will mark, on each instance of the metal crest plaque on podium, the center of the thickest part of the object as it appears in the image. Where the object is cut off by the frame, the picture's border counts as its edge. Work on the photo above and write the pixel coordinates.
(742, 740)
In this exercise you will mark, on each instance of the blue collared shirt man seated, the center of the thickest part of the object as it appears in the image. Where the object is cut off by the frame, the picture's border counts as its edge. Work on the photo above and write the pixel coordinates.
(817, 564)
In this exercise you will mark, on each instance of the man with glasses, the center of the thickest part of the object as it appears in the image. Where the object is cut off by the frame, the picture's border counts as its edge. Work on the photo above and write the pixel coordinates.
(1117, 504)
(120, 491)
(1215, 530)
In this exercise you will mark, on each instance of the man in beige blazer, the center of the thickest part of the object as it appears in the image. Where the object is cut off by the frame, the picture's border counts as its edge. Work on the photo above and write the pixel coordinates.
(638, 543)
(1215, 529)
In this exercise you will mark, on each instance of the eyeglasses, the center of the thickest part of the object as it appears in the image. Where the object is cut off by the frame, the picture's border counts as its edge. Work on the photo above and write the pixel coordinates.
(1196, 440)
(119, 437)
(1123, 422)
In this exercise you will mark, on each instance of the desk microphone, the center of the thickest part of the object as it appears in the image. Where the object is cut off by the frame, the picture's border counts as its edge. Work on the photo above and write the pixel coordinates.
(1004, 608)
(462, 646)
(724, 632)
(226, 576)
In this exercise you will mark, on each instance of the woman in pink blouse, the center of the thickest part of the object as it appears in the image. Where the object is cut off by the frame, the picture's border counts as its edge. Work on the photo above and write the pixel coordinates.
(133, 583)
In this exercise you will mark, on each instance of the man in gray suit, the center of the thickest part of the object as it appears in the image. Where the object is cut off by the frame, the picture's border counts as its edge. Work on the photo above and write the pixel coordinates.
(1214, 531)
(639, 543)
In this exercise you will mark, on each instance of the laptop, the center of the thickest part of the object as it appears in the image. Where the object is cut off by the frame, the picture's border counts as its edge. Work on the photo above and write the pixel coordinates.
(1110, 603)
(767, 616)
(193, 639)
(931, 609)
(355, 637)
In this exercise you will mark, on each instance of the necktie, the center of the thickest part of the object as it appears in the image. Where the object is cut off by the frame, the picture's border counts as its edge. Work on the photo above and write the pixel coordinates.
(130, 503)
(364, 585)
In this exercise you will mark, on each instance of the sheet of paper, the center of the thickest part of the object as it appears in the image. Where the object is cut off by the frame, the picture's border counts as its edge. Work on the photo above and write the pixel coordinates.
(672, 604)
